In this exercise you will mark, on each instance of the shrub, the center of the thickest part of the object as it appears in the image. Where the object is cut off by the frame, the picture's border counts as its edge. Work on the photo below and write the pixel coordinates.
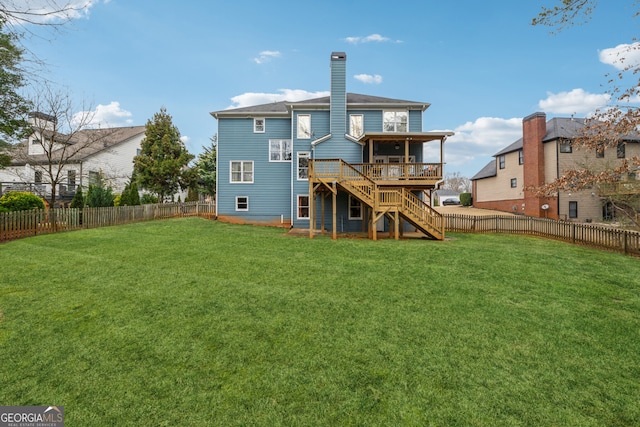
(78, 199)
(148, 199)
(20, 201)
(465, 199)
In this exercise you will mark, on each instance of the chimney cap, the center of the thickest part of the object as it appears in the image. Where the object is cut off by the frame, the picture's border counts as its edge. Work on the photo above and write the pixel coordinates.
(535, 116)
(338, 56)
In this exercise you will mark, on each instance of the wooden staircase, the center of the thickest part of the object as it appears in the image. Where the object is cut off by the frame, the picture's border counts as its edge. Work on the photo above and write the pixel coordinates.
(383, 200)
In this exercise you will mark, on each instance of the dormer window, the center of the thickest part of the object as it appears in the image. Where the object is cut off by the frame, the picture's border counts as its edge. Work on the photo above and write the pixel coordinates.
(258, 125)
(395, 121)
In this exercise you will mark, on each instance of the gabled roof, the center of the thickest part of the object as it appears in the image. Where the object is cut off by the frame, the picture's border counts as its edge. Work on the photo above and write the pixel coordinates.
(511, 148)
(563, 128)
(96, 140)
(486, 172)
(354, 101)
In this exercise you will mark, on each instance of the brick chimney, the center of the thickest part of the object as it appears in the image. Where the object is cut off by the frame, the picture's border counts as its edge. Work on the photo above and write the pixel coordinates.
(534, 129)
(338, 118)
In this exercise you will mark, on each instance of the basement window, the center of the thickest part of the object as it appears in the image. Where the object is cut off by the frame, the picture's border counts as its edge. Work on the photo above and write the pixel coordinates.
(303, 207)
(355, 208)
(573, 209)
(242, 203)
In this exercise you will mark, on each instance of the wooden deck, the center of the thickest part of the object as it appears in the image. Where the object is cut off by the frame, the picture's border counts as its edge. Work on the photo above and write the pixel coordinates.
(385, 189)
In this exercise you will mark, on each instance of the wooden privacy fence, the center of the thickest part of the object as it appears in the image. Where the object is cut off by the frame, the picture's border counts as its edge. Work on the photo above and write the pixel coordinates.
(599, 236)
(15, 225)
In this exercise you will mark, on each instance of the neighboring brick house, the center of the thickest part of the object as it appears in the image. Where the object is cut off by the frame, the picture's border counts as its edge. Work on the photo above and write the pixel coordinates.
(542, 155)
(111, 155)
(346, 162)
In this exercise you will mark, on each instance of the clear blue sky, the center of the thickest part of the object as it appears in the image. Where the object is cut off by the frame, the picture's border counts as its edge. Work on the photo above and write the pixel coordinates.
(480, 64)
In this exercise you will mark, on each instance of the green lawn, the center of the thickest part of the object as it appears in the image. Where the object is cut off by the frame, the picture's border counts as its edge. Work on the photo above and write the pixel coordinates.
(194, 322)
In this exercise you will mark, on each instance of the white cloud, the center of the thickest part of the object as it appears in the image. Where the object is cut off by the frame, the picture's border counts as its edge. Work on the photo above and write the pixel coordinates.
(110, 115)
(475, 142)
(256, 98)
(368, 78)
(575, 102)
(185, 139)
(45, 11)
(266, 56)
(621, 56)
(367, 39)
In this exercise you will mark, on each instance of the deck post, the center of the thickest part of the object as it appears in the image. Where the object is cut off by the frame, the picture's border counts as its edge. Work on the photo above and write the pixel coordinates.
(334, 199)
(322, 227)
(396, 224)
(311, 208)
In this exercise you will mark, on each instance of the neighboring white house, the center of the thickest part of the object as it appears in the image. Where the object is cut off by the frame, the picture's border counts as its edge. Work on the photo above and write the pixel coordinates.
(108, 152)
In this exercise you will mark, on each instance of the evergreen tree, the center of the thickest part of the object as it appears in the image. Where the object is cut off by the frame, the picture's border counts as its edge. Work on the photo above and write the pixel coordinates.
(99, 195)
(161, 166)
(205, 168)
(78, 199)
(14, 108)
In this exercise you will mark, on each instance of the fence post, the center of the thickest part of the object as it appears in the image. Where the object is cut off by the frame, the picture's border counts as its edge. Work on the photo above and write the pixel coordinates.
(624, 242)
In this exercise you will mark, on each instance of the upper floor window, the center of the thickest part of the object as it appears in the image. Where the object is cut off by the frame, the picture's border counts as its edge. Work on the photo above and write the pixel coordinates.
(94, 177)
(304, 126)
(501, 161)
(514, 182)
(356, 125)
(258, 125)
(521, 157)
(303, 166)
(565, 146)
(395, 121)
(279, 150)
(241, 171)
(621, 150)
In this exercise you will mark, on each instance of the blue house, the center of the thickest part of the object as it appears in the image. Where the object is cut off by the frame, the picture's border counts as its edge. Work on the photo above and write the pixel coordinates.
(346, 163)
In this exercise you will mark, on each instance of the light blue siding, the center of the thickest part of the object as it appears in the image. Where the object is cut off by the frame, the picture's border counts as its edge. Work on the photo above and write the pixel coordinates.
(269, 194)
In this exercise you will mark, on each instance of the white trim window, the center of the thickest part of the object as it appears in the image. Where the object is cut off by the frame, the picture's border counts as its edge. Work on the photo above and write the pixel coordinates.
(356, 125)
(303, 165)
(355, 208)
(259, 125)
(242, 203)
(241, 172)
(303, 206)
(395, 121)
(279, 150)
(304, 126)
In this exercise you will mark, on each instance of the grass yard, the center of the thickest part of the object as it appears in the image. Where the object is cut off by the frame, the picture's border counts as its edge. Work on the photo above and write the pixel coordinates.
(194, 322)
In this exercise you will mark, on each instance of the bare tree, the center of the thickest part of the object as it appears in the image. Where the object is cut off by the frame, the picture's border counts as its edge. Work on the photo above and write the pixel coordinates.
(611, 128)
(61, 137)
(454, 181)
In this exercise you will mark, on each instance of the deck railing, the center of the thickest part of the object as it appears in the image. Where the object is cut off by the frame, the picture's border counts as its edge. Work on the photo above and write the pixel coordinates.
(622, 187)
(327, 168)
